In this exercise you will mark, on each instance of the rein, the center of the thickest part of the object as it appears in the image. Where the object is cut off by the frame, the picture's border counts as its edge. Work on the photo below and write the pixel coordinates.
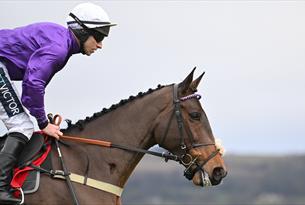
(165, 155)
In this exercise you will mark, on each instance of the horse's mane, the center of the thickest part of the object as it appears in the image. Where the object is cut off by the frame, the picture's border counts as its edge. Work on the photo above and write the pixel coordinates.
(81, 123)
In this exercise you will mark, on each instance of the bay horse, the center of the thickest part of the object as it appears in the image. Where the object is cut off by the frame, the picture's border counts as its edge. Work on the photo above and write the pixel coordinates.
(170, 116)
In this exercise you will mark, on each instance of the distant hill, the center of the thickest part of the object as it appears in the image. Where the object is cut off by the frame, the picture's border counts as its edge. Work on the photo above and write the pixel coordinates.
(251, 180)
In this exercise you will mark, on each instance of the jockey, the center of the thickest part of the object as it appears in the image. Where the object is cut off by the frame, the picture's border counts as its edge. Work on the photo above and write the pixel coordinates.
(33, 54)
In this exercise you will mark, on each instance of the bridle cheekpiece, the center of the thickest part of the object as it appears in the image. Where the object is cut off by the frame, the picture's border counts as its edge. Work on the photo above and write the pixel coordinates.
(185, 158)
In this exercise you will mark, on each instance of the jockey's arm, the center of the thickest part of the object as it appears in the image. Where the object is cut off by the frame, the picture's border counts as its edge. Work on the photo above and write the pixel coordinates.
(43, 64)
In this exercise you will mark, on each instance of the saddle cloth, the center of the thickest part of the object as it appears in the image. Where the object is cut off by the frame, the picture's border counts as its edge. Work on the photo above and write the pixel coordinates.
(35, 152)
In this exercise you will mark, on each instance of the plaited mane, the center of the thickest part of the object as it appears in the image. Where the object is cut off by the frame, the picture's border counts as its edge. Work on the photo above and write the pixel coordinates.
(81, 123)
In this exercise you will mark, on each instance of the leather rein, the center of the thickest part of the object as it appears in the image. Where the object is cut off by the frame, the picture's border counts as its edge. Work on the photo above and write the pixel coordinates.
(185, 159)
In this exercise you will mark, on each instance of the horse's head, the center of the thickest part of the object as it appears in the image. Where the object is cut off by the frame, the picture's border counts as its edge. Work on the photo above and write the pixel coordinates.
(183, 129)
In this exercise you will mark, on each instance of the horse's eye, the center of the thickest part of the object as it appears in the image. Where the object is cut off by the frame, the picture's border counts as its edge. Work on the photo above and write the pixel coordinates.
(195, 115)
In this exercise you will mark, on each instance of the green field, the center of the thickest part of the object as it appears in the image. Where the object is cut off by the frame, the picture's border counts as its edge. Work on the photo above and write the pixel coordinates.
(264, 180)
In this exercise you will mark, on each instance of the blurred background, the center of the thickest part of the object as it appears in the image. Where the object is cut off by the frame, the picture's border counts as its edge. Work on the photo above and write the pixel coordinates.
(253, 90)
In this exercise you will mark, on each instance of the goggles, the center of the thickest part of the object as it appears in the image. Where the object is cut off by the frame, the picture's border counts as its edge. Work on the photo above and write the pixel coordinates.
(96, 35)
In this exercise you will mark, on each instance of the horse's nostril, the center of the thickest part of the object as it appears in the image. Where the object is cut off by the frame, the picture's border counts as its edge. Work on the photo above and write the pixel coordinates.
(219, 173)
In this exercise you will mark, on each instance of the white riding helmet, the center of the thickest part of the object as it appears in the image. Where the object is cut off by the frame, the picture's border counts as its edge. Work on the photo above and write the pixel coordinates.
(89, 16)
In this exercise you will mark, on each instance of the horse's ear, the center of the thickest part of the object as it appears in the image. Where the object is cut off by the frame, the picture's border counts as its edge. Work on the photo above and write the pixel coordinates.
(185, 85)
(196, 82)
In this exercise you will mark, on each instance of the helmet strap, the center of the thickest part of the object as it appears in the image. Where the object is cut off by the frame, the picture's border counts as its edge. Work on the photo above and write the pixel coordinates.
(82, 35)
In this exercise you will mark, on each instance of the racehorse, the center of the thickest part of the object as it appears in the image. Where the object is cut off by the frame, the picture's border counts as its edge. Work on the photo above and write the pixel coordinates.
(170, 116)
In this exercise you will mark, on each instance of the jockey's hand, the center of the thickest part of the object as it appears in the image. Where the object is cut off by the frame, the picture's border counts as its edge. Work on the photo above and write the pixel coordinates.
(53, 131)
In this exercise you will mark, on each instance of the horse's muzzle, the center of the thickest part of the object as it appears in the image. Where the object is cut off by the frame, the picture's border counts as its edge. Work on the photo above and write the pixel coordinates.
(218, 174)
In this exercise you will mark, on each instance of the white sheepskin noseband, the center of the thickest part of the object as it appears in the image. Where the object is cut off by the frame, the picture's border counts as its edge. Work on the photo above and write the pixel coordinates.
(219, 146)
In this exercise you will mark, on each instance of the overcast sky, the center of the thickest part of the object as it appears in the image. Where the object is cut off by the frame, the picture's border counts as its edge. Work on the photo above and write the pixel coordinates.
(252, 51)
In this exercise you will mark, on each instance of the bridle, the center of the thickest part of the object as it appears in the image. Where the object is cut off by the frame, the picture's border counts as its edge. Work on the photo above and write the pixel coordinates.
(185, 158)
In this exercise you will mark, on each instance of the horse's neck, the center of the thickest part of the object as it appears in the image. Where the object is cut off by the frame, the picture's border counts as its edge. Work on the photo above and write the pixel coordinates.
(131, 125)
